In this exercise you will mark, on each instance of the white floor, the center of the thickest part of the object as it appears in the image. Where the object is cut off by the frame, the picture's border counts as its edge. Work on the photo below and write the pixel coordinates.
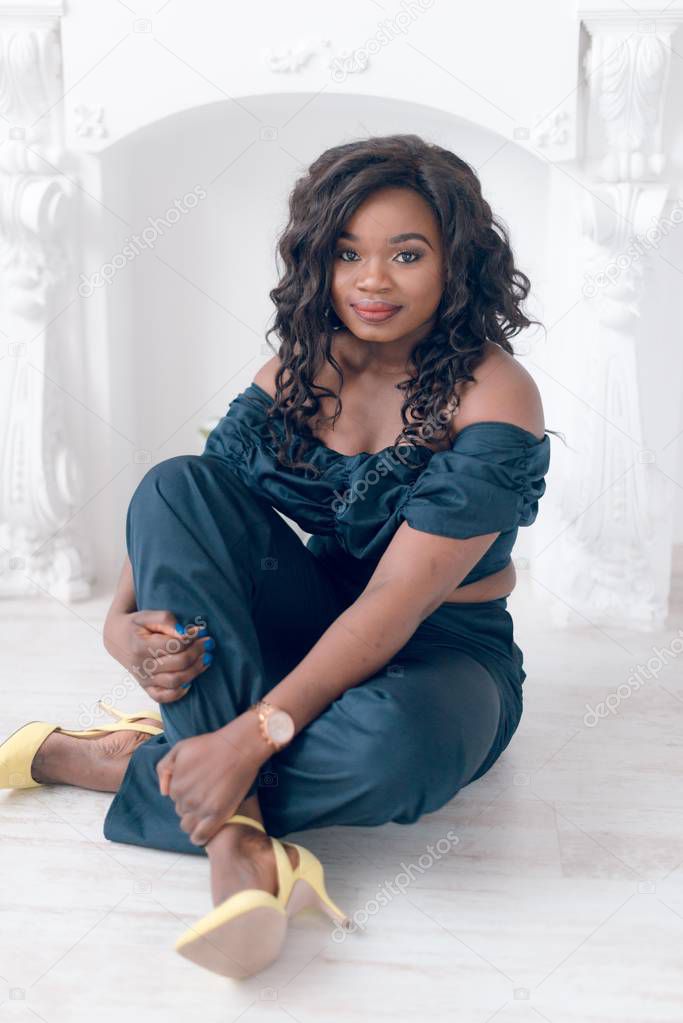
(560, 898)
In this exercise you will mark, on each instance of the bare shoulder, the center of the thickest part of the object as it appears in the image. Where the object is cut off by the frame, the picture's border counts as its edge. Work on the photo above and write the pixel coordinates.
(265, 377)
(502, 390)
(326, 377)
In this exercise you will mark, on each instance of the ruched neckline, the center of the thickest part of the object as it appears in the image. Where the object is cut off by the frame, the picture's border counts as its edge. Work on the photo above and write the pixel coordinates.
(489, 479)
(490, 425)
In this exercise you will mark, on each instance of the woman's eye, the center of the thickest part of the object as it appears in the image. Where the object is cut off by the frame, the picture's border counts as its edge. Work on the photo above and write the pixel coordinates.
(411, 252)
(414, 253)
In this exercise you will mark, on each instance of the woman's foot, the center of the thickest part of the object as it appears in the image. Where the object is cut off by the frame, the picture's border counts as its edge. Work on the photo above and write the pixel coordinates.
(90, 763)
(242, 857)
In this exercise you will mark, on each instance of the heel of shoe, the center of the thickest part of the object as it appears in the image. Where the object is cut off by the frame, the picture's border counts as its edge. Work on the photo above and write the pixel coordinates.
(311, 876)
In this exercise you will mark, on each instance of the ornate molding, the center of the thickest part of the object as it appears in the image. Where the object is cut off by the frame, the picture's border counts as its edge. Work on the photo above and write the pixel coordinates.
(89, 121)
(627, 70)
(616, 549)
(555, 131)
(40, 484)
(292, 58)
(28, 9)
(613, 544)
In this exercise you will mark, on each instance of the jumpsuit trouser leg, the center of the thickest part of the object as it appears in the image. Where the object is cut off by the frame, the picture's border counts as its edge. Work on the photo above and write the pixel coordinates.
(391, 748)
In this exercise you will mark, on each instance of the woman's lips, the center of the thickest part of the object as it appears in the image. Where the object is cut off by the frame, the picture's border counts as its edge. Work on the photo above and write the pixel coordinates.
(376, 314)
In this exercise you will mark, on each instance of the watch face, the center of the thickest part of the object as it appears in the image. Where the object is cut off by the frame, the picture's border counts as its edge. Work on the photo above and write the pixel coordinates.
(280, 726)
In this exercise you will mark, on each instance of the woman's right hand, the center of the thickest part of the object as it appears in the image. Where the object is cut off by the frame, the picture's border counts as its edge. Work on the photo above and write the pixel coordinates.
(160, 658)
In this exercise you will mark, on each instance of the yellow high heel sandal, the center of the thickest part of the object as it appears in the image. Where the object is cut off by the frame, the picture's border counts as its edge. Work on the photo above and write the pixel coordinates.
(309, 889)
(246, 932)
(19, 749)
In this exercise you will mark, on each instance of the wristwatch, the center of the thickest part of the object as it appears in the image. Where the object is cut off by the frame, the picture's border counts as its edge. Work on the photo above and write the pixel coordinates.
(277, 726)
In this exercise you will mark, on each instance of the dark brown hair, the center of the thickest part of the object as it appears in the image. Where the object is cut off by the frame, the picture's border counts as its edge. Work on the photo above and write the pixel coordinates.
(482, 295)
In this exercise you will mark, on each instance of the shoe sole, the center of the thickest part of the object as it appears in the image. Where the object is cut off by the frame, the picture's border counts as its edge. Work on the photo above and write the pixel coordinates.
(239, 947)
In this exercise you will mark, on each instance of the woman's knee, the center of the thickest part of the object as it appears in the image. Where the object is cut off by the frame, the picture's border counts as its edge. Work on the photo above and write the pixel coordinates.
(184, 480)
(397, 754)
(180, 491)
(419, 757)
(165, 477)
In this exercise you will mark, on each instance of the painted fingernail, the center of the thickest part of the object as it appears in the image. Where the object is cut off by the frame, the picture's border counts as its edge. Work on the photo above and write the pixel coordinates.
(202, 632)
(210, 644)
(180, 629)
(207, 658)
(186, 686)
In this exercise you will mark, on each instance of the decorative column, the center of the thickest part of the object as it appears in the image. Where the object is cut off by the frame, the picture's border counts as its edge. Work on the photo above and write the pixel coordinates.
(40, 481)
(616, 557)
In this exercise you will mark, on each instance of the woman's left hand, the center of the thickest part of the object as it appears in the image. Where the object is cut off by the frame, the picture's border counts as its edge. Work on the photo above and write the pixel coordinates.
(207, 776)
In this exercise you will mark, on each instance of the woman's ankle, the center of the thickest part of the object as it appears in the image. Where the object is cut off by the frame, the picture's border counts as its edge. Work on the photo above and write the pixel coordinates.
(67, 760)
(237, 838)
(48, 759)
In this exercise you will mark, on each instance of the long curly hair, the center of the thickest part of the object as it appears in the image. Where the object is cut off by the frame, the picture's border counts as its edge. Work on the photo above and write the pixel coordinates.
(481, 299)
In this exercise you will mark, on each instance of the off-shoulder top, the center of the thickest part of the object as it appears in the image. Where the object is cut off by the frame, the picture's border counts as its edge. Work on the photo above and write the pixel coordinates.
(489, 480)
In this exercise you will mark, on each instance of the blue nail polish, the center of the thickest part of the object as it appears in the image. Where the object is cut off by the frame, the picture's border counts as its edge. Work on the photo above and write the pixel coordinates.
(207, 658)
(203, 632)
(180, 629)
(210, 644)
(186, 686)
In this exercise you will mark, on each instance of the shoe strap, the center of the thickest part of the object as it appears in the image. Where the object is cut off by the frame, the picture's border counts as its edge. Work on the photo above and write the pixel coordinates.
(129, 726)
(241, 819)
(285, 871)
(115, 713)
(118, 726)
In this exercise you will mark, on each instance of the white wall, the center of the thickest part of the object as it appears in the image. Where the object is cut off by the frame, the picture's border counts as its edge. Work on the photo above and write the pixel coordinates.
(184, 341)
(159, 100)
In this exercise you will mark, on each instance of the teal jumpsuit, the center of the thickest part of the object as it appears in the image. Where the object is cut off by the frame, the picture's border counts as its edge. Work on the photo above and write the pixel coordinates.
(205, 540)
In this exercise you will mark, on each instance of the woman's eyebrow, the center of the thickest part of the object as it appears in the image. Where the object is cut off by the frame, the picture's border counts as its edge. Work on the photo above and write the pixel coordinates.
(396, 240)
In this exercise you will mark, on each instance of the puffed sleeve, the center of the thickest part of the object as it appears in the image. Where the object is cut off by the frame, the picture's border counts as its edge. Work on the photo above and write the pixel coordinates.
(490, 480)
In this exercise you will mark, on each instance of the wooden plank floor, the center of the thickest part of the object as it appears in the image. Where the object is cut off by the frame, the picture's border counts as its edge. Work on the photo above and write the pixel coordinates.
(560, 899)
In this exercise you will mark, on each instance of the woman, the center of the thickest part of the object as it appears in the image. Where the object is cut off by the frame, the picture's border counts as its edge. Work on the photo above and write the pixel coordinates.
(370, 674)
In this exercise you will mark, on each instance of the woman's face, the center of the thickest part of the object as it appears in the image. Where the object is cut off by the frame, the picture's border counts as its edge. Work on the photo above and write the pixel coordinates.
(389, 259)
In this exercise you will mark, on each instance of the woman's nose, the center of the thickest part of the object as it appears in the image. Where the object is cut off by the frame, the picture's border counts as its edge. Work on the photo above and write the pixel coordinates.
(373, 275)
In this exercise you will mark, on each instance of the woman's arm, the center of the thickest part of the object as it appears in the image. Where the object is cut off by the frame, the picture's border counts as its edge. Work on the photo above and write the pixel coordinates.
(141, 642)
(416, 573)
(123, 603)
(124, 594)
(208, 776)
